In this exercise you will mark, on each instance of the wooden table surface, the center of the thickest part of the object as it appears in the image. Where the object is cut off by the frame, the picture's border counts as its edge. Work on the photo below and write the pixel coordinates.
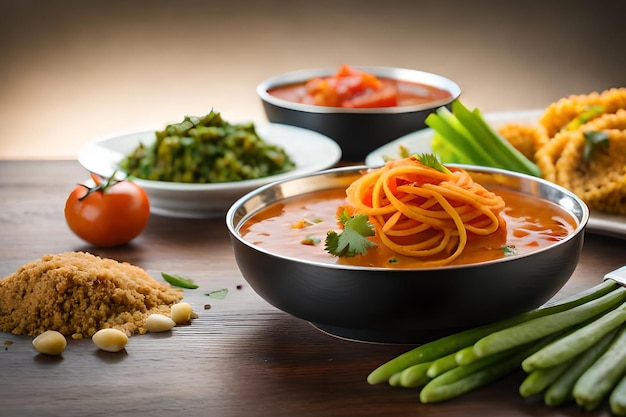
(241, 357)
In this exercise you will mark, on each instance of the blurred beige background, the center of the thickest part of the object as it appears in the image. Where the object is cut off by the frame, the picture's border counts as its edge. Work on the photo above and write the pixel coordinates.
(72, 70)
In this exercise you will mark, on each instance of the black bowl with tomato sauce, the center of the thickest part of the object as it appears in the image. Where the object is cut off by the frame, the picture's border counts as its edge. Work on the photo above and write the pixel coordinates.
(358, 131)
(405, 305)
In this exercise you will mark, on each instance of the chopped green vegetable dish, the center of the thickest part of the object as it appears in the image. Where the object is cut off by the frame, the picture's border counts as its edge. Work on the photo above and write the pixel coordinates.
(207, 150)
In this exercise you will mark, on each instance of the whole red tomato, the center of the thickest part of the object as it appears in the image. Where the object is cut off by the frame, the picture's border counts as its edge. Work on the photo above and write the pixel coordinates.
(111, 213)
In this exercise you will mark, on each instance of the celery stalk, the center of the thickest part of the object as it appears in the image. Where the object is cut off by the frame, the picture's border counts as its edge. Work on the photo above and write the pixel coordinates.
(447, 125)
(487, 141)
(507, 151)
(463, 136)
(447, 153)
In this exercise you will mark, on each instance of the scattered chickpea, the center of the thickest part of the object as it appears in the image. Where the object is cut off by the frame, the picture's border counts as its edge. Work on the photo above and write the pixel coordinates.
(110, 340)
(50, 342)
(181, 312)
(159, 323)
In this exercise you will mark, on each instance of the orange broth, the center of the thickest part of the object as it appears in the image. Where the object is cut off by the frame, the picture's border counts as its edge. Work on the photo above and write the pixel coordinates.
(288, 228)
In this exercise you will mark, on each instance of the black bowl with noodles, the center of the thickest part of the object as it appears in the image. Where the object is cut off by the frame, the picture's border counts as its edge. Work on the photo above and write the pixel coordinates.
(378, 304)
(358, 131)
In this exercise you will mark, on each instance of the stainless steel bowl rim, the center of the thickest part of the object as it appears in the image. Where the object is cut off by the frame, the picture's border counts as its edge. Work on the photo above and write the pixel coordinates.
(403, 74)
(234, 229)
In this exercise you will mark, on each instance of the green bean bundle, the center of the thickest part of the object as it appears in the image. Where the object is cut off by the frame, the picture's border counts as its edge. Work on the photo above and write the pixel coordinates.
(573, 351)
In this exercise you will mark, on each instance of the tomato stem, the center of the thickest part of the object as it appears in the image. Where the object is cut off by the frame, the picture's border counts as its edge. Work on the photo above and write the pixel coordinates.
(110, 182)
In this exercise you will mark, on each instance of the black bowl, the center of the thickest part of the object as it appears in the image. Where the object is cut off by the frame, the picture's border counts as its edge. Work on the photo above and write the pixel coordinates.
(405, 305)
(357, 131)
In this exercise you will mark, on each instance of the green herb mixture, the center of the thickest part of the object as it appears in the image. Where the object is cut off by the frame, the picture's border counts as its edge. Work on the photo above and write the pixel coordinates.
(207, 150)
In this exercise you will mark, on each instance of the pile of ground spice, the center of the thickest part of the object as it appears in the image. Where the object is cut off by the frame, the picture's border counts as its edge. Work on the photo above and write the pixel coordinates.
(77, 294)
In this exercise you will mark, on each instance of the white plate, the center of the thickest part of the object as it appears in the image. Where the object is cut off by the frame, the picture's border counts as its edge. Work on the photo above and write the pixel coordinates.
(420, 142)
(311, 152)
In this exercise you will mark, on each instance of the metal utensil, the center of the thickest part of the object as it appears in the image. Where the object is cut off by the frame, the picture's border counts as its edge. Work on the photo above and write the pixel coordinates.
(619, 275)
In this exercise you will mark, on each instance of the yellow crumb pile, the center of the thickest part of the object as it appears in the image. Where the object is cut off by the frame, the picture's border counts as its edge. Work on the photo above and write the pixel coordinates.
(557, 144)
(77, 294)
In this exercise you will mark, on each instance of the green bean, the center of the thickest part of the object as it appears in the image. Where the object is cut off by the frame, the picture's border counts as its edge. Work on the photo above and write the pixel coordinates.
(394, 380)
(540, 327)
(466, 356)
(540, 379)
(441, 365)
(617, 400)
(415, 376)
(466, 378)
(576, 342)
(446, 345)
(601, 377)
(463, 379)
(561, 390)
(424, 353)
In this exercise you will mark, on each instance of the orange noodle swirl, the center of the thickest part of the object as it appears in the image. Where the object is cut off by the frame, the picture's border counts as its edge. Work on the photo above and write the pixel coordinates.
(422, 212)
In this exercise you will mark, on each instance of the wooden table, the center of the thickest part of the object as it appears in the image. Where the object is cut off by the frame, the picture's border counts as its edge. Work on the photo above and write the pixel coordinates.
(241, 357)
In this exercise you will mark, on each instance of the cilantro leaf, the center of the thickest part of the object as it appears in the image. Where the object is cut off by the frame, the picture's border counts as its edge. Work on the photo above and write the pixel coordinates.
(595, 141)
(178, 281)
(509, 250)
(344, 217)
(431, 161)
(353, 239)
(218, 294)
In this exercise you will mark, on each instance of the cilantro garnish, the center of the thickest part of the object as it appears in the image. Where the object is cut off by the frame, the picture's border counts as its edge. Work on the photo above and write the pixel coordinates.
(179, 281)
(508, 250)
(353, 239)
(595, 141)
(218, 294)
(431, 161)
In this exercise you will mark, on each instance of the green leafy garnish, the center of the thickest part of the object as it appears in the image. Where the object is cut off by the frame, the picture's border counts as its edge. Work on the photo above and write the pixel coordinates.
(508, 250)
(595, 141)
(353, 239)
(179, 281)
(218, 294)
(587, 114)
(430, 160)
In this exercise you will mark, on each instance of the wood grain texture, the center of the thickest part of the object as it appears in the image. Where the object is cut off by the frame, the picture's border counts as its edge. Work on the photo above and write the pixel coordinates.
(241, 357)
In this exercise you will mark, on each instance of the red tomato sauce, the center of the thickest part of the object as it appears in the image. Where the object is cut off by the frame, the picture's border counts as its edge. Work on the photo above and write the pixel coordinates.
(297, 228)
(351, 88)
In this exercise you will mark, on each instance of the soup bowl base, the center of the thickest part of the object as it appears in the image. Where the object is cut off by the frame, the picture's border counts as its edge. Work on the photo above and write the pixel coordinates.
(381, 336)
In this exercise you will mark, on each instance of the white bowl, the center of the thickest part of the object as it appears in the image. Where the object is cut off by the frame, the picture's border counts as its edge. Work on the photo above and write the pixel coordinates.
(311, 152)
